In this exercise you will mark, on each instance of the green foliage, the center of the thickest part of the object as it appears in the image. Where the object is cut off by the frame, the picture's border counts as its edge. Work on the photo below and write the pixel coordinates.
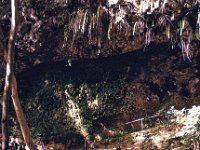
(104, 137)
(105, 93)
(71, 135)
(46, 104)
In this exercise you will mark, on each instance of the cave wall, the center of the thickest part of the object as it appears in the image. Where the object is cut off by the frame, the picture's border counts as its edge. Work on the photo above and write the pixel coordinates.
(112, 90)
(126, 78)
(118, 28)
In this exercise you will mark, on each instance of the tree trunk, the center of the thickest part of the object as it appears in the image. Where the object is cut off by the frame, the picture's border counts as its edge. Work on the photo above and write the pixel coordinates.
(9, 56)
(11, 83)
(20, 115)
(5, 98)
(5, 108)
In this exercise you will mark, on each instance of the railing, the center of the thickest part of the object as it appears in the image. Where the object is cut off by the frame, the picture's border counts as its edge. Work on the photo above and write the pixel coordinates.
(167, 116)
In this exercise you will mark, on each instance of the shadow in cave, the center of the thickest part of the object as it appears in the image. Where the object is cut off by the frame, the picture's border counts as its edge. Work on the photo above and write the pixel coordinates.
(100, 69)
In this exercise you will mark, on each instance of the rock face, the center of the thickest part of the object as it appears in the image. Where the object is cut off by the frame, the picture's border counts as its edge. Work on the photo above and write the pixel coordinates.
(56, 29)
(123, 88)
(125, 77)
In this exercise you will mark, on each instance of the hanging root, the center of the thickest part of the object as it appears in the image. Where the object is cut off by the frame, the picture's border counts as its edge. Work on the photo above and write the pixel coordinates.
(197, 32)
(148, 37)
(186, 47)
(109, 29)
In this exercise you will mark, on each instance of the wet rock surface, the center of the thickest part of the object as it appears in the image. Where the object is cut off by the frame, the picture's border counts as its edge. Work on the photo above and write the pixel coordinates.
(147, 80)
